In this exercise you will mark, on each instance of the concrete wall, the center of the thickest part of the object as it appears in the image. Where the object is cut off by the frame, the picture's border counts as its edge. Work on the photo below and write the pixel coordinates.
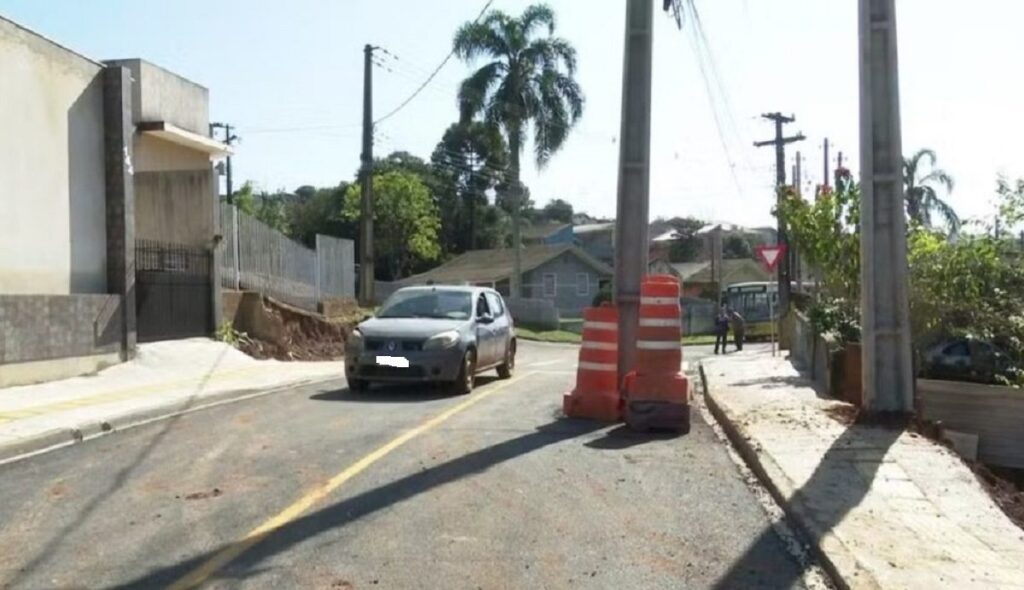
(160, 95)
(175, 206)
(566, 269)
(153, 154)
(994, 414)
(44, 337)
(52, 186)
(174, 186)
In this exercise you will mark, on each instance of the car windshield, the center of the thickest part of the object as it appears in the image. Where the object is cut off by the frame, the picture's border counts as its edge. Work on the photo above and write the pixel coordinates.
(437, 304)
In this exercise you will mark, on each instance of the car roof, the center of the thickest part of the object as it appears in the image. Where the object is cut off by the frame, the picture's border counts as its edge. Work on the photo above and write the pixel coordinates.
(450, 288)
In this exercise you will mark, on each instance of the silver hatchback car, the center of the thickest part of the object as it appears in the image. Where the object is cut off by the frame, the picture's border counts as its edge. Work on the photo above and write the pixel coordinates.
(433, 334)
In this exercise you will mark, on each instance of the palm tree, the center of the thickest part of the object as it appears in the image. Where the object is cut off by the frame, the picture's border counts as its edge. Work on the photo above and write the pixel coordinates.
(528, 81)
(923, 201)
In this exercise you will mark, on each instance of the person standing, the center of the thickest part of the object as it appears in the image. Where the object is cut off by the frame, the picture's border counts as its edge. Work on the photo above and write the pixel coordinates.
(739, 328)
(722, 329)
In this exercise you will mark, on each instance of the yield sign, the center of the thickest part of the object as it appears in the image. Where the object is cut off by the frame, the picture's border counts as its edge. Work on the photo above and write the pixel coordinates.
(771, 255)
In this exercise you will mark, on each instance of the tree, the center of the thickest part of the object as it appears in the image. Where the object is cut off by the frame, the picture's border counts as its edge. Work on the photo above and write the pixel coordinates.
(558, 210)
(827, 233)
(402, 161)
(736, 247)
(687, 246)
(528, 81)
(405, 220)
(469, 161)
(318, 211)
(923, 201)
(1011, 200)
(266, 207)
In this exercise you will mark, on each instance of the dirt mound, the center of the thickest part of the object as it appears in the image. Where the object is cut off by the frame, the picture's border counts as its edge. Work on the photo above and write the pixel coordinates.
(279, 331)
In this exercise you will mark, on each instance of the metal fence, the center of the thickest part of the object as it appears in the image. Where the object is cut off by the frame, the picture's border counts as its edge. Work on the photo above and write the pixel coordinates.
(257, 257)
(173, 298)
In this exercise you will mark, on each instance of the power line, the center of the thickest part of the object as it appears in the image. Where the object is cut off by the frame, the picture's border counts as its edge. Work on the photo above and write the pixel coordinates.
(433, 74)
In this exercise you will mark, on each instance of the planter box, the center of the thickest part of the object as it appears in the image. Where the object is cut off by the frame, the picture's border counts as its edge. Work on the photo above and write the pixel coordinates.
(849, 387)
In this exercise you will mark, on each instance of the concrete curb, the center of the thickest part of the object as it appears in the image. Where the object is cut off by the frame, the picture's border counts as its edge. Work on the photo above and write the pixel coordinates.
(51, 440)
(769, 475)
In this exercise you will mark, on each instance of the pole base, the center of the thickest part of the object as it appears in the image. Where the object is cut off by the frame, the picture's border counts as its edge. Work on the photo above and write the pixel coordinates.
(646, 416)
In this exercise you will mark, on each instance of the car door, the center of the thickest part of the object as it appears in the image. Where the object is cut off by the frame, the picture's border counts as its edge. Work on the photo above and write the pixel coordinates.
(956, 359)
(502, 326)
(484, 333)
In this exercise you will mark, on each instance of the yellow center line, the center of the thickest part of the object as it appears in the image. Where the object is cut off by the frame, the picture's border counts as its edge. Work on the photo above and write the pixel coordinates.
(228, 554)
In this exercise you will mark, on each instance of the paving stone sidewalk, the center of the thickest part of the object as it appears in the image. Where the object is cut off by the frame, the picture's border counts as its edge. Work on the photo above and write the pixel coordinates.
(886, 508)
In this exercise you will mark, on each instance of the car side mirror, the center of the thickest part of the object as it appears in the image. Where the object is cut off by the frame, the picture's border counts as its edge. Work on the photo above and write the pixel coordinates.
(485, 318)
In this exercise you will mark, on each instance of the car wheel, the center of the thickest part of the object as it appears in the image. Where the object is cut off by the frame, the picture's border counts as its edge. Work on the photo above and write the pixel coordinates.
(358, 385)
(506, 369)
(467, 375)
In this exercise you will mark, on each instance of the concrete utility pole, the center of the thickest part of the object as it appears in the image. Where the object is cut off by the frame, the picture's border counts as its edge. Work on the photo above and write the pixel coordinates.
(825, 175)
(793, 252)
(779, 143)
(631, 240)
(366, 212)
(887, 362)
(229, 139)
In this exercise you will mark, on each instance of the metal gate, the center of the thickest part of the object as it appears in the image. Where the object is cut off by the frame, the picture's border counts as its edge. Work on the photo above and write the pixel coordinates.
(173, 296)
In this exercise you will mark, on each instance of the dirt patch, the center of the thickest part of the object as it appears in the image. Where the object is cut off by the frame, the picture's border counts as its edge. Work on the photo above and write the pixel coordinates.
(1007, 494)
(291, 334)
(204, 495)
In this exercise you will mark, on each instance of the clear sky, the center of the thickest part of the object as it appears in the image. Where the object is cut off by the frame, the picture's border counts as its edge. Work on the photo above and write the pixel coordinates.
(289, 75)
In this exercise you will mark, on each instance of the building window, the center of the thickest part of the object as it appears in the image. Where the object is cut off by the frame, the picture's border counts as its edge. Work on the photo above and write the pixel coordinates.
(550, 284)
(582, 284)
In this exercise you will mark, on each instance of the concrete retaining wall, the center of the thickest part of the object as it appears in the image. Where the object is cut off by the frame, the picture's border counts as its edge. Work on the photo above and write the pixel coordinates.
(994, 414)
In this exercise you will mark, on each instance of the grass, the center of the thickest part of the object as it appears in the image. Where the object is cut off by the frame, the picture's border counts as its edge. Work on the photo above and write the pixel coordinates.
(561, 336)
(565, 336)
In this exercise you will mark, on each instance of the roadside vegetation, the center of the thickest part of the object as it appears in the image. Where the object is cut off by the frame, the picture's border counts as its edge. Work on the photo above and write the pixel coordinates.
(966, 276)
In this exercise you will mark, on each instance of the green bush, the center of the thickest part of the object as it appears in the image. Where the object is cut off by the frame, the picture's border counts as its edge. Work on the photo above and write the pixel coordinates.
(603, 296)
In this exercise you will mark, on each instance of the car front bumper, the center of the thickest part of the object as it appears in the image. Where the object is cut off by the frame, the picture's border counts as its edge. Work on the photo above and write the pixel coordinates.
(424, 366)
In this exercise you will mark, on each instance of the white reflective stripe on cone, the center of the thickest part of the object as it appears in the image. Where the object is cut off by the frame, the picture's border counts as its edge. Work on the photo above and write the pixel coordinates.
(601, 325)
(659, 322)
(657, 345)
(601, 345)
(599, 366)
(659, 301)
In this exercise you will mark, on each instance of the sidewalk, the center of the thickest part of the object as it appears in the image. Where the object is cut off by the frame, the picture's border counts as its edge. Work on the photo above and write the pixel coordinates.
(885, 508)
(164, 379)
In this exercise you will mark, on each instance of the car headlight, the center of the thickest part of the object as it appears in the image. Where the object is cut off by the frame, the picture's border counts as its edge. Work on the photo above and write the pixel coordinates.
(355, 339)
(442, 341)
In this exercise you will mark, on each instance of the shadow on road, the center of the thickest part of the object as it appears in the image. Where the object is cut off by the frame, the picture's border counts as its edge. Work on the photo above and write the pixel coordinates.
(48, 550)
(622, 437)
(351, 509)
(412, 393)
(839, 484)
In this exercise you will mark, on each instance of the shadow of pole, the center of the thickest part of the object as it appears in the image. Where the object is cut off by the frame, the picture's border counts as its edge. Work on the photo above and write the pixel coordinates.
(48, 550)
(351, 509)
(839, 484)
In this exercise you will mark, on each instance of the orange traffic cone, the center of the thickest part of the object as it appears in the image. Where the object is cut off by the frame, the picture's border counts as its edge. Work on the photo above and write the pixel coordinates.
(657, 392)
(596, 395)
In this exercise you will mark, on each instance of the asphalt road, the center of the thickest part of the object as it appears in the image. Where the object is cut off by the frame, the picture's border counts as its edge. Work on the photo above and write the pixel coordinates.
(396, 488)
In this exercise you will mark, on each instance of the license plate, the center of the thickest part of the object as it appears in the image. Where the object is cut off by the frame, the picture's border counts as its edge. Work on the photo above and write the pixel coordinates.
(399, 362)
